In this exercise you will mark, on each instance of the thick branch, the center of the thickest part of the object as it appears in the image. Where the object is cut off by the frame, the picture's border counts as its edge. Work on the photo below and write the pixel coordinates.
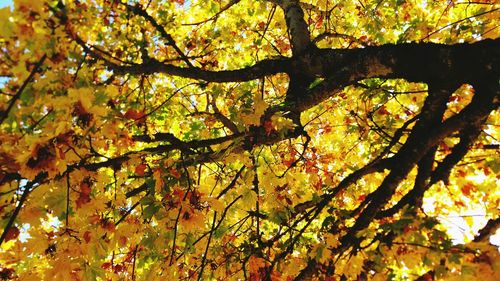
(432, 113)
(259, 70)
(414, 196)
(425, 135)
(419, 62)
(297, 26)
(374, 167)
(467, 137)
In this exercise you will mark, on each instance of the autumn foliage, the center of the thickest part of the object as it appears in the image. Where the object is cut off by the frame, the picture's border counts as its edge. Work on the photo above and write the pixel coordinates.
(249, 140)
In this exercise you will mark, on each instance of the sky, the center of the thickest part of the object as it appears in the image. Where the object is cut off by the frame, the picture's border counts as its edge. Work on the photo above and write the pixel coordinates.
(4, 3)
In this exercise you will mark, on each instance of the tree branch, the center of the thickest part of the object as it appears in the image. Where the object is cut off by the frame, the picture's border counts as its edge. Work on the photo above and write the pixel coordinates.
(137, 9)
(259, 70)
(416, 62)
(297, 26)
(24, 196)
(489, 229)
(5, 113)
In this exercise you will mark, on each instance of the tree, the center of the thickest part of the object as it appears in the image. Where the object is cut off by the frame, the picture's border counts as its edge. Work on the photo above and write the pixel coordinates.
(248, 140)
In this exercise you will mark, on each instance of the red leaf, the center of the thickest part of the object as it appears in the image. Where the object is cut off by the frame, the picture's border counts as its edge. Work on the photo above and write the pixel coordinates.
(6, 273)
(12, 234)
(428, 277)
(461, 173)
(119, 268)
(139, 170)
(108, 225)
(383, 111)
(85, 188)
(106, 265)
(175, 173)
(87, 236)
(82, 200)
(134, 114)
(268, 125)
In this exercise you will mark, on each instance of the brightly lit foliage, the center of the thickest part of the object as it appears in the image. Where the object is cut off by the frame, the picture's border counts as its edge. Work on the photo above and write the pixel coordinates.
(127, 155)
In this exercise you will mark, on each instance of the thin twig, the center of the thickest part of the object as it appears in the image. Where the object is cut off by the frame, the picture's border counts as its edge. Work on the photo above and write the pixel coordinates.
(458, 21)
(133, 264)
(204, 259)
(172, 255)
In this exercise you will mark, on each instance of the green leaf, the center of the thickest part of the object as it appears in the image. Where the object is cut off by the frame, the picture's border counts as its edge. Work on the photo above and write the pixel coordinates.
(327, 222)
(149, 211)
(147, 200)
(150, 183)
(315, 83)
(56, 203)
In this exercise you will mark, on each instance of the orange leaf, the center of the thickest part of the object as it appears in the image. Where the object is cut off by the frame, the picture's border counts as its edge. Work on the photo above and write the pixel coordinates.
(256, 263)
(467, 188)
(85, 188)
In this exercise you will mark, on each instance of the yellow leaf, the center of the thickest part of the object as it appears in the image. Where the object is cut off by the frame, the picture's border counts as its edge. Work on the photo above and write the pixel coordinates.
(332, 241)
(158, 180)
(216, 204)
(111, 91)
(83, 95)
(260, 105)
(6, 26)
(282, 123)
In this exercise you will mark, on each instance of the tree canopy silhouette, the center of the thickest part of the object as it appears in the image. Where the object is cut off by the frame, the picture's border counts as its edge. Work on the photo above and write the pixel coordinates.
(249, 140)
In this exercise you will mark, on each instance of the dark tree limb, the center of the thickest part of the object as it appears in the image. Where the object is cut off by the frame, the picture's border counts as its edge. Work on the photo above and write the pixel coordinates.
(5, 113)
(24, 196)
(376, 166)
(414, 196)
(259, 70)
(416, 62)
(489, 229)
(430, 117)
(467, 138)
(424, 137)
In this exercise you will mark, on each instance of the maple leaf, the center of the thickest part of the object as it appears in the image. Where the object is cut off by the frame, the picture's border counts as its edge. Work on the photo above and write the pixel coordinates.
(259, 140)
(134, 114)
(255, 264)
(191, 219)
(12, 233)
(140, 169)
